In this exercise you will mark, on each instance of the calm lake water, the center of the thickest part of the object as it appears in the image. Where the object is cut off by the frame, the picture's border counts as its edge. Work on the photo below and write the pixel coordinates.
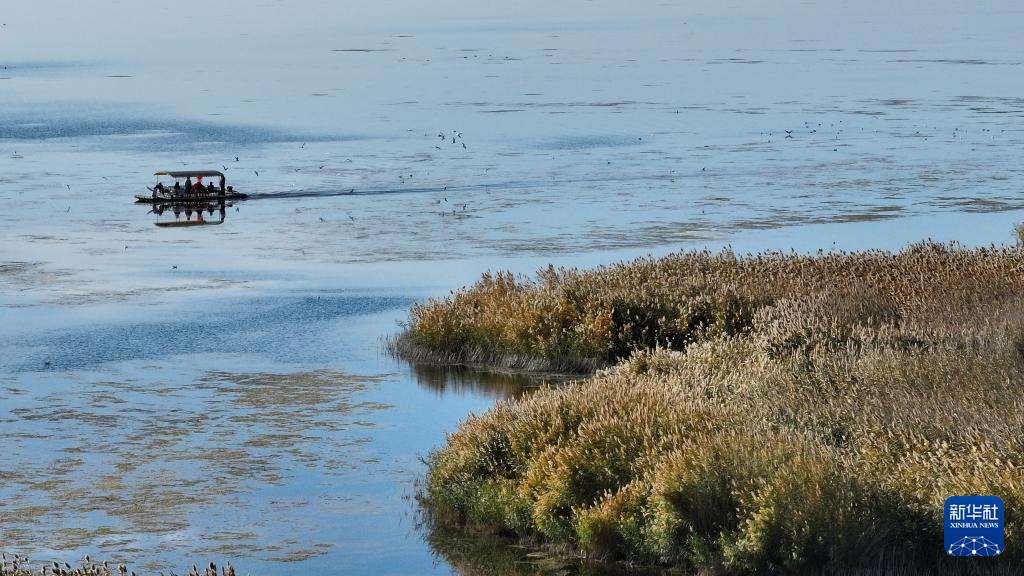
(170, 396)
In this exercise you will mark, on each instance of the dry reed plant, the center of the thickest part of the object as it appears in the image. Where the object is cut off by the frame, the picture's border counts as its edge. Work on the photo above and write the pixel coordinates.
(822, 409)
(17, 565)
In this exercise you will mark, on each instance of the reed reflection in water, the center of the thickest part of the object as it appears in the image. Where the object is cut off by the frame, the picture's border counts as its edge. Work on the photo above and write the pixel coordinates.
(461, 380)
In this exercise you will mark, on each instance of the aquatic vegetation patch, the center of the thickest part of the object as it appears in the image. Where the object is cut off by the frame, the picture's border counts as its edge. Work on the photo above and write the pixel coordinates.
(151, 463)
(822, 430)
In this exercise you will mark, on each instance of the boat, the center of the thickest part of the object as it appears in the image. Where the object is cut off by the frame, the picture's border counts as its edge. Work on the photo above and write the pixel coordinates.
(161, 194)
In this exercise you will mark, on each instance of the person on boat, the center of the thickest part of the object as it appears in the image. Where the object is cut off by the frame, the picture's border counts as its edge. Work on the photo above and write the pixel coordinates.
(210, 189)
(177, 189)
(188, 185)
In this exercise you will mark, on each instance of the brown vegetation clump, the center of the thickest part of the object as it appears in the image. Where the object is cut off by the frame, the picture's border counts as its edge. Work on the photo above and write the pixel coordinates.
(817, 417)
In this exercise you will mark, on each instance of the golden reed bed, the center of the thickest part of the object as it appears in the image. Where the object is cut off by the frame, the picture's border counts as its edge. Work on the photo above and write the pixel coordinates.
(768, 412)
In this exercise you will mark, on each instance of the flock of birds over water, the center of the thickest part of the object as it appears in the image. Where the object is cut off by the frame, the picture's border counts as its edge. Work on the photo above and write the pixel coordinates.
(459, 209)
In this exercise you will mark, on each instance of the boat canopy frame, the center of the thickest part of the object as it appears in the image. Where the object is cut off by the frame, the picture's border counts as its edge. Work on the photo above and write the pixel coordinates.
(190, 174)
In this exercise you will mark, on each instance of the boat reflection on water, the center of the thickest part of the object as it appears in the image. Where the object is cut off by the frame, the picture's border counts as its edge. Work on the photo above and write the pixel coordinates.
(190, 213)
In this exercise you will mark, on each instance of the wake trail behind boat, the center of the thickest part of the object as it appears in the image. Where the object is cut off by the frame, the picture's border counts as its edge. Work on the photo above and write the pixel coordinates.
(383, 191)
(508, 185)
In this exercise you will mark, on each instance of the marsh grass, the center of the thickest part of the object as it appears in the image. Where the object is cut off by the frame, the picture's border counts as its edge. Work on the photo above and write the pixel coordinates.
(573, 320)
(816, 417)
